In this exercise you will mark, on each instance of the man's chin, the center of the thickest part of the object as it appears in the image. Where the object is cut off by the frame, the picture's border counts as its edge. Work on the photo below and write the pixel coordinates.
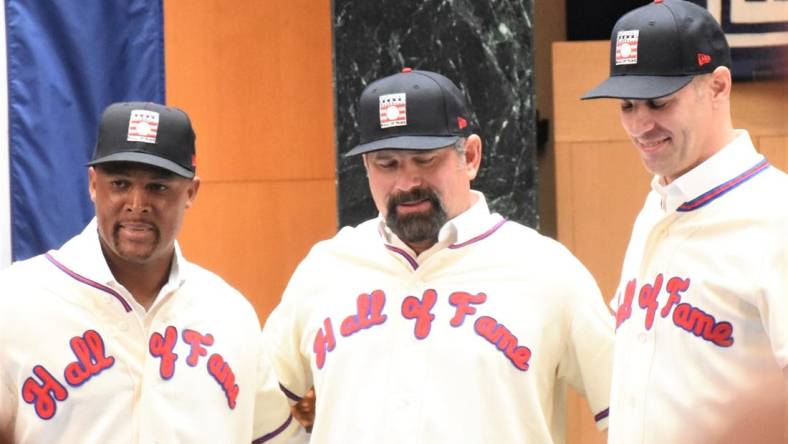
(134, 255)
(416, 229)
(414, 219)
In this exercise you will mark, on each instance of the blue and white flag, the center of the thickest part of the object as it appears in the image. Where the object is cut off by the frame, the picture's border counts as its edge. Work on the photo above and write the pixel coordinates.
(63, 62)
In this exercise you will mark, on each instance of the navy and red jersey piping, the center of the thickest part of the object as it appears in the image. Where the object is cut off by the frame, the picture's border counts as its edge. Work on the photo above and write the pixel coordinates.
(91, 283)
(720, 190)
(277, 431)
(602, 415)
(470, 241)
(288, 393)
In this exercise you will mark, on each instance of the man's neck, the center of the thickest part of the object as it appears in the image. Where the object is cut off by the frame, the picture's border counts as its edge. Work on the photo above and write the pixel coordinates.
(422, 246)
(419, 247)
(142, 280)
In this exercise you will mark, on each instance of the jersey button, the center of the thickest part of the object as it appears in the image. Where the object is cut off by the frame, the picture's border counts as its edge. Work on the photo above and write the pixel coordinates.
(642, 338)
(123, 325)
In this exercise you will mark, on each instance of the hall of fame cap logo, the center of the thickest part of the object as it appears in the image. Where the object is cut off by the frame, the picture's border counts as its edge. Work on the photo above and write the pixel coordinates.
(627, 47)
(393, 110)
(143, 126)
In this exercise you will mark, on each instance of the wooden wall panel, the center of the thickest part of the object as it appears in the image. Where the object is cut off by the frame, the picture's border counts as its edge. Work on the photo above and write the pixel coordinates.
(256, 78)
(775, 149)
(576, 69)
(592, 174)
(600, 182)
(253, 234)
(760, 107)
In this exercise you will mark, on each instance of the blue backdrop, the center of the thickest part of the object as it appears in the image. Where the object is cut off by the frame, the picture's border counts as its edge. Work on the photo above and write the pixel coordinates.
(67, 60)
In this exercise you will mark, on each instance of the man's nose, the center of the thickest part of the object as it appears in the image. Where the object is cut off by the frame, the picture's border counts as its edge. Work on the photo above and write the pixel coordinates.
(408, 178)
(640, 121)
(137, 200)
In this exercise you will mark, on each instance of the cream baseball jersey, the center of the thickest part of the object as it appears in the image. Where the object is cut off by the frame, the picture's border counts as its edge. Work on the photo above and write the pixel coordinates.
(82, 362)
(701, 310)
(474, 342)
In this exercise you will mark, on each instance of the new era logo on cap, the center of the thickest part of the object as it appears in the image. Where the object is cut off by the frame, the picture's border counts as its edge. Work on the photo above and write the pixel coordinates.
(627, 47)
(703, 59)
(393, 110)
(143, 126)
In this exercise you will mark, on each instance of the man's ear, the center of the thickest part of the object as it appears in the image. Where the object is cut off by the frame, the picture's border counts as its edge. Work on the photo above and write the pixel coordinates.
(720, 84)
(92, 183)
(473, 155)
(191, 193)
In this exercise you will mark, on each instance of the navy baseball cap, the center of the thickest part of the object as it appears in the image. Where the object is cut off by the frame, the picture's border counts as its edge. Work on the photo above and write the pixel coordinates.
(657, 49)
(148, 133)
(411, 110)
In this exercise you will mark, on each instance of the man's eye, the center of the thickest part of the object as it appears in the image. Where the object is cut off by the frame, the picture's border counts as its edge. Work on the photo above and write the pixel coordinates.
(387, 165)
(626, 106)
(424, 160)
(157, 187)
(119, 184)
(653, 104)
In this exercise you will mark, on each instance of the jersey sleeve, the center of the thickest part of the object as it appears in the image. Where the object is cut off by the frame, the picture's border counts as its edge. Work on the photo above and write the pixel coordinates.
(273, 422)
(8, 393)
(8, 405)
(282, 340)
(587, 364)
(773, 305)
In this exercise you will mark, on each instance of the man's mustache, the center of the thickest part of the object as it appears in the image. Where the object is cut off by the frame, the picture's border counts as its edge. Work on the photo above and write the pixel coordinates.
(414, 195)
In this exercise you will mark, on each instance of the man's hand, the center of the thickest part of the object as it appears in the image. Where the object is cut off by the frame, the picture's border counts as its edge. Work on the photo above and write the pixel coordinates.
(304, 410)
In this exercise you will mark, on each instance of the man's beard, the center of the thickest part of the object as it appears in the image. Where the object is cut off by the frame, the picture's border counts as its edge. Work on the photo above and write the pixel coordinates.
(417, 227)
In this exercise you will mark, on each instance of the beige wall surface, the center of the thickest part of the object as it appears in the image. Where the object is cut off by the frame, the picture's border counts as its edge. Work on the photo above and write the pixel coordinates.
(256, 78)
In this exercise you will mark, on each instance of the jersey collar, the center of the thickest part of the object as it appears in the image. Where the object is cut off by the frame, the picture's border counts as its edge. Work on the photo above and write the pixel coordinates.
(470, 225)
(84, 260)
(733, 160)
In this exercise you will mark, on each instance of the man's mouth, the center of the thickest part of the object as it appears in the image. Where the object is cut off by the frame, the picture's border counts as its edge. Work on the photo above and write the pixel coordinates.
(651, 145)
(414, 206)
(136, 230)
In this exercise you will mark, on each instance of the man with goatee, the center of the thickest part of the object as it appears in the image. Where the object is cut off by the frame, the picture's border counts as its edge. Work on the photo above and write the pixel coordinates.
(439, 321)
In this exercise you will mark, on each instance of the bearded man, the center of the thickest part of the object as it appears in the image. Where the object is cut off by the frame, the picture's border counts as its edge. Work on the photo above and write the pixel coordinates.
(438, 321)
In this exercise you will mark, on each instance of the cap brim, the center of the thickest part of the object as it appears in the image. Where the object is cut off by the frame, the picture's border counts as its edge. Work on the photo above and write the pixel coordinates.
(404, 143)
(638, 87)
(147, 159)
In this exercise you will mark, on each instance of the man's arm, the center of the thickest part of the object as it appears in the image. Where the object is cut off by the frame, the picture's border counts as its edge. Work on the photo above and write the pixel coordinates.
(273, 422)
(588, 363)
(8, 405)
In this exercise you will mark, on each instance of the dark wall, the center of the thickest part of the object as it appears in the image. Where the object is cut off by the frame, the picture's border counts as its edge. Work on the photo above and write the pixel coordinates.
(594, 19)
(484, 47)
